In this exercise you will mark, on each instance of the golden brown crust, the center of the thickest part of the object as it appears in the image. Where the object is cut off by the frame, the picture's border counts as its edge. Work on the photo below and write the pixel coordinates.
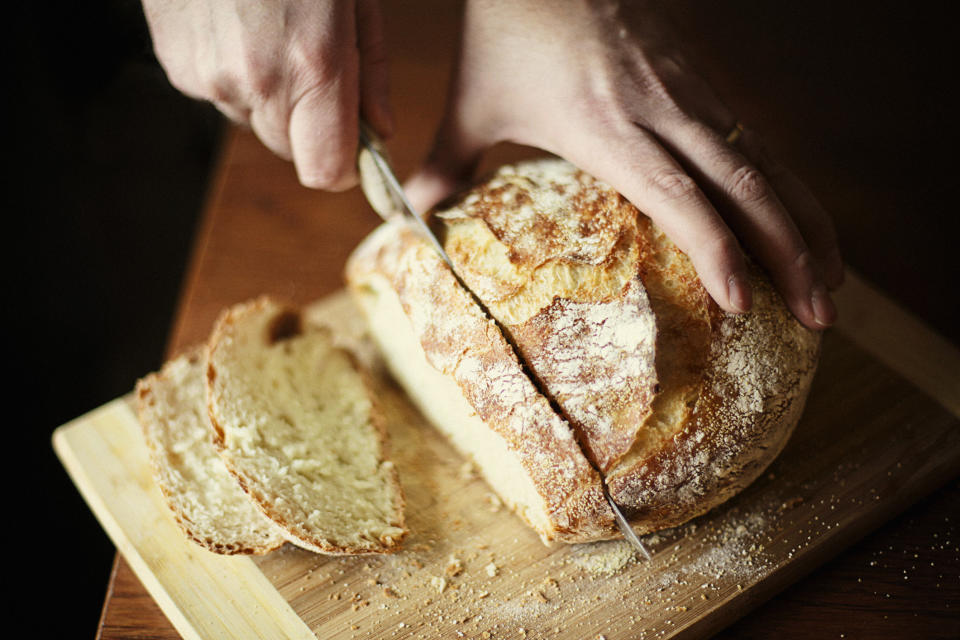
(605, 399)
(729, 389)
(753, 390)
(733, 388)
(553, 255)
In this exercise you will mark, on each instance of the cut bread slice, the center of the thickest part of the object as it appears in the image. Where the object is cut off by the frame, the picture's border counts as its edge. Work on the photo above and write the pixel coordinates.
(208, 504)
(296, 425)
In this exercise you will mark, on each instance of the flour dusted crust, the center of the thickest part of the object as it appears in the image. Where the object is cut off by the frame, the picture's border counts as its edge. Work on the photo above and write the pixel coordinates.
(296, 425)
(677, 403)
(553, 255)
(733, 388)
(207, 503)
(550, 484)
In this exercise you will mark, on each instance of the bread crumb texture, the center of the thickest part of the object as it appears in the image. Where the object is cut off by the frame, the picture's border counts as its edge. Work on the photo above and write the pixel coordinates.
(295, 423)
(206, 500)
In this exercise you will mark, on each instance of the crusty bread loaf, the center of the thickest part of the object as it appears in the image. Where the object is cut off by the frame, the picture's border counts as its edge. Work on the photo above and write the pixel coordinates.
(678, 404)
(296, 425)
(208, 504)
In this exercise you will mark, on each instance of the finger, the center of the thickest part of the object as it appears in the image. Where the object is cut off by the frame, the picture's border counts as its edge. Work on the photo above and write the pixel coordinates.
(271, 127)
(633, 163)
(324, 115)
(324, 132)
(754, 211)
(813, 221)
(374, 77)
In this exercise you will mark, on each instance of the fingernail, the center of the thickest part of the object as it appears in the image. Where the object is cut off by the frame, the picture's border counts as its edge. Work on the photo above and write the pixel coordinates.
(739, 293)
(824, 312)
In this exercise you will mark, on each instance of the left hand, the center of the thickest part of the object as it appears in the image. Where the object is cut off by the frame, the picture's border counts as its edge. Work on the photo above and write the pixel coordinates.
(613, 94)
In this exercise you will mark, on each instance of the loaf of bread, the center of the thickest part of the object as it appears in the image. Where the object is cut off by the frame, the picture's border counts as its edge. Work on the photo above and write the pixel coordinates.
(460, 371)
(207, 502)
(296, 425)
(675, 404)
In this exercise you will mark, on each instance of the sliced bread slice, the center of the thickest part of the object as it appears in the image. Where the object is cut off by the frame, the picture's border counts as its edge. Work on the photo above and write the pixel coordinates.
(208, 504)
(295, 423)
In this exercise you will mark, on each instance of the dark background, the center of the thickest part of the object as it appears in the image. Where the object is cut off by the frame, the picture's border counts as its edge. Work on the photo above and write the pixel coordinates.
(107, 172)
(109, 168)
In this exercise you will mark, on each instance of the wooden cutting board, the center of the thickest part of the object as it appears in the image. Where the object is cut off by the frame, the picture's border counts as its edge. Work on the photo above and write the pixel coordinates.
(880, 430)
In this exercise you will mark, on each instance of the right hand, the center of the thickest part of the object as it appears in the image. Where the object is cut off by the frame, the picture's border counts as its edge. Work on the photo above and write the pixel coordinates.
(298, 72)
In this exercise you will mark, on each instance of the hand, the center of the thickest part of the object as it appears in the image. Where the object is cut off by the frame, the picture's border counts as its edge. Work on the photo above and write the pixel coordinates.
(612, 94)
(298, 72)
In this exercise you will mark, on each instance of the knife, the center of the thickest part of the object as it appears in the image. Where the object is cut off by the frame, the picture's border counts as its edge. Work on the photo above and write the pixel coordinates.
(384, 193)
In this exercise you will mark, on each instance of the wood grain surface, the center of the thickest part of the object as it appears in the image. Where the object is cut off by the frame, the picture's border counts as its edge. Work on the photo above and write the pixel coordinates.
(868, 445)
(262, 232)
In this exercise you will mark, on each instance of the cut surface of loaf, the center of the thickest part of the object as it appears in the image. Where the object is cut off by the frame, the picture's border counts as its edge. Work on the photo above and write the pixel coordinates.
(297, 427)
(677, 403)
(460, 371)
(208, 504)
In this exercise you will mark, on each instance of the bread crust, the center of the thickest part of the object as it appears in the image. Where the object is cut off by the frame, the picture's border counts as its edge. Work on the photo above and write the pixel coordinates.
(553, 255)
(751, 394)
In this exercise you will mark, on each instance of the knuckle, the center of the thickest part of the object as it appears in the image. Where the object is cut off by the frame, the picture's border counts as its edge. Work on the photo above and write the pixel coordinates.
(314, 63)
(263, 77)
(181, 76)
(220, 89)
(723, 252)
(801, 262)
(672, 184)
(271, 128)
(747, 184)
(183, 83)
(218, 84)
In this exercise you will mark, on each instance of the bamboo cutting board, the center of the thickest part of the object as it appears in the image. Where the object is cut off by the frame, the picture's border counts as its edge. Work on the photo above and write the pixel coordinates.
(880, 430)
